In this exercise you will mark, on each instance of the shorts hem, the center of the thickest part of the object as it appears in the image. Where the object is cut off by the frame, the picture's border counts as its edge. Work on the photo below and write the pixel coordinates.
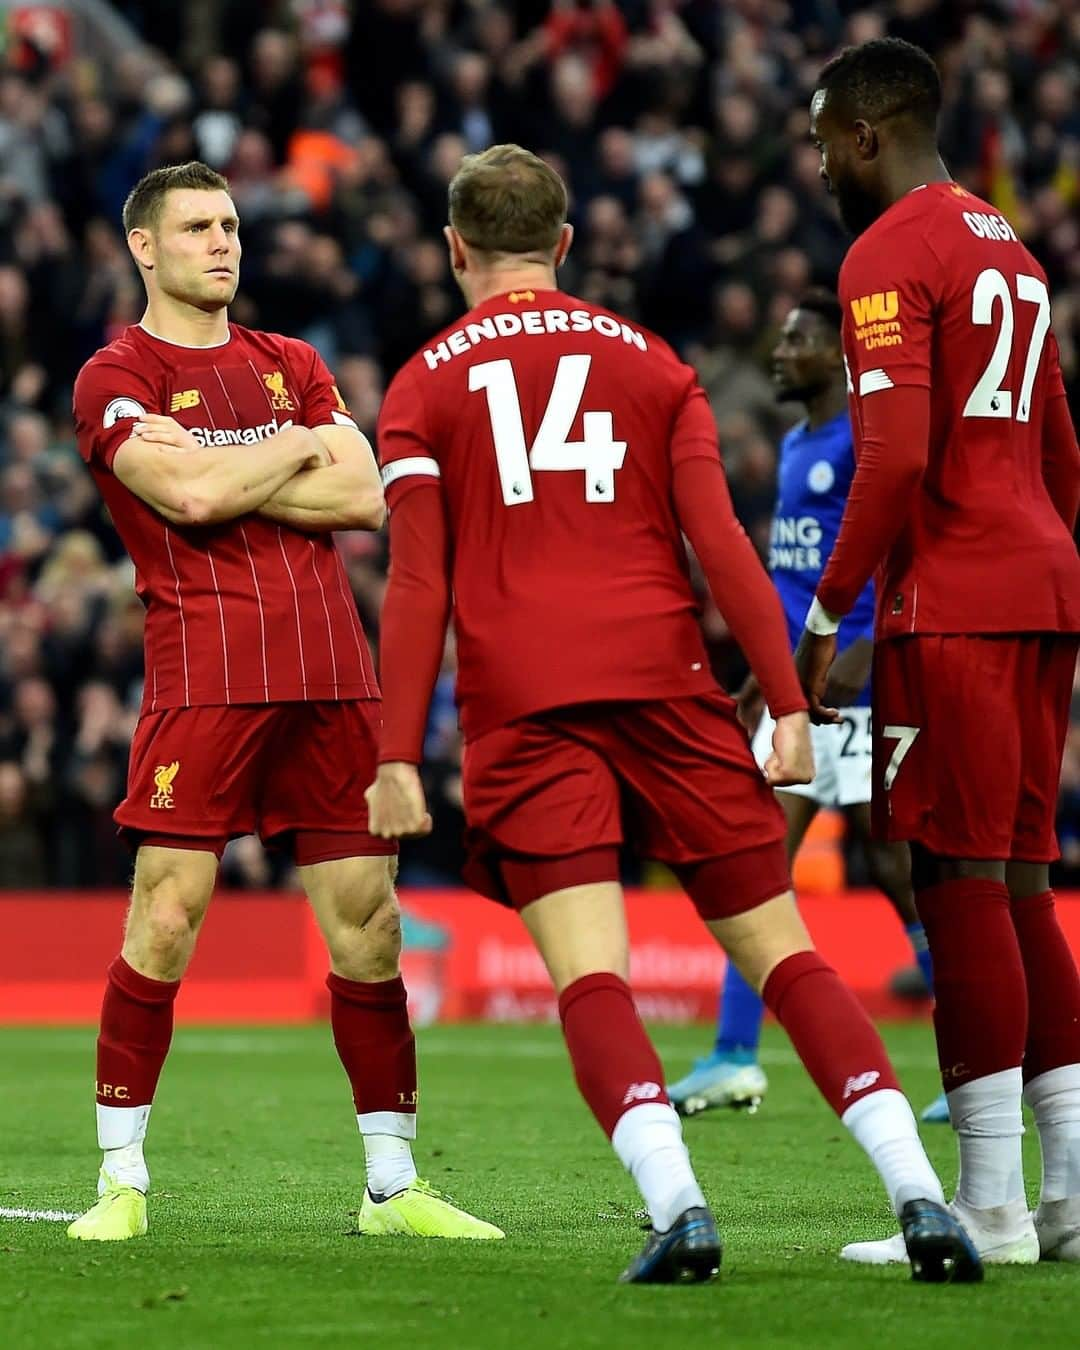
(734, 883)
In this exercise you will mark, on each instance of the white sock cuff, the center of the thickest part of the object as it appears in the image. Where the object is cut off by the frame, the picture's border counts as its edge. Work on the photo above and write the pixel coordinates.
(991, 1105)
(119, 1126)
(399, 1123)
(624, 1137)
(1054, 1091)
(886, 1099)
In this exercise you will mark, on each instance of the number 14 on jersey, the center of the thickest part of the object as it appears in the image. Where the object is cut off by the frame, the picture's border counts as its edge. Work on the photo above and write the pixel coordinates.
(597, 455)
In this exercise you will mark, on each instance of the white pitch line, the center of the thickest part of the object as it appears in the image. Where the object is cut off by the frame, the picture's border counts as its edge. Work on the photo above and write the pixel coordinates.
(38, 1215)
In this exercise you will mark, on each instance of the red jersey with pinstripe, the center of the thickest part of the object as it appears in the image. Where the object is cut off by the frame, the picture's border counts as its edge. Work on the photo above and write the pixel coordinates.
(246, 611)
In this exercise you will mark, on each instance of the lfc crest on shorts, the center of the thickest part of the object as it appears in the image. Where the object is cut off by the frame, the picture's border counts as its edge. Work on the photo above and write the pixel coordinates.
(279, 395)
(162, 799)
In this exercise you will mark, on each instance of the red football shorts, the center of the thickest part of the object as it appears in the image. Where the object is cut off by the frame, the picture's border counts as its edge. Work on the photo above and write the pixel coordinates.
(968, 737)
(293, 773)
(549, 798)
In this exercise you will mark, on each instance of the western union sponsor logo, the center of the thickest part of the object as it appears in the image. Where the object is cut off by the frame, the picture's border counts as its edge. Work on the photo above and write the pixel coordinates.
(876, 308)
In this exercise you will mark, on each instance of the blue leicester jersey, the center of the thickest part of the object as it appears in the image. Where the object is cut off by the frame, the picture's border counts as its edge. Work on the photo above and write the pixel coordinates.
(816, 469)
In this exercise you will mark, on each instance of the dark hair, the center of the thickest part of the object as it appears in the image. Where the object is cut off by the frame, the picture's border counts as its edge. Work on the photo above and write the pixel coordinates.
(507, 200)
(821, 301)
(887, 77)
(142, 210)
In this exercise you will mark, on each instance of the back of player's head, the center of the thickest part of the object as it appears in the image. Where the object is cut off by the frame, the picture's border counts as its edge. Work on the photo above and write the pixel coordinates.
(884, 78)
(142, 210)
(507, 200)
(824, 303)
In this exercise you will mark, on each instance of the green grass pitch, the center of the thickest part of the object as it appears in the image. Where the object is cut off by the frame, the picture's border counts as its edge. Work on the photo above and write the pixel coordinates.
(257, 1168)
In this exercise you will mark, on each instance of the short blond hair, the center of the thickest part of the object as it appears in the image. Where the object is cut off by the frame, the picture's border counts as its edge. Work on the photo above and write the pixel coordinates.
(507, 200)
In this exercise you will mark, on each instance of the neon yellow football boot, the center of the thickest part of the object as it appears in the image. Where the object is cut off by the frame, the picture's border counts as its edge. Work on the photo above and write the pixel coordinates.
(119, 1214)
(420, 1211)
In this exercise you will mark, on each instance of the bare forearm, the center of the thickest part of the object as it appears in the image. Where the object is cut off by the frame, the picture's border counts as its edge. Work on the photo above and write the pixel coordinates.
(243, 480)
(333, 498)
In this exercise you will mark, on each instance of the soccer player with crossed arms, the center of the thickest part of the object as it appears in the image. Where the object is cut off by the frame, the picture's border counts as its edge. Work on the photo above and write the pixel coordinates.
(541, 458)
(964, 501)
(226, 458)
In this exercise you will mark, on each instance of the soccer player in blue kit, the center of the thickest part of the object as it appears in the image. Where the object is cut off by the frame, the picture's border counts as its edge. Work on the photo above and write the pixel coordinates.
(816, 467)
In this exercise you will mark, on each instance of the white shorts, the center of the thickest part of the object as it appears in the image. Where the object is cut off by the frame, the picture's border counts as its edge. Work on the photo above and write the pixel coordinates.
(842, 754)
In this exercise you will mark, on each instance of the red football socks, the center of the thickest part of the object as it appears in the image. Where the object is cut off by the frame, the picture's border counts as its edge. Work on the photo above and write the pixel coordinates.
(1053, 986)
(375, 1043)
(614, 1062)
(829, 1029)
(136, 1030)
(980, 1014)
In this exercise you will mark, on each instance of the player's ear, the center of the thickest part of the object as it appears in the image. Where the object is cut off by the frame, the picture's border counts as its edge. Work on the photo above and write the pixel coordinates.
(456, 246)
(562, 248)
(866, 139)
(141, 246)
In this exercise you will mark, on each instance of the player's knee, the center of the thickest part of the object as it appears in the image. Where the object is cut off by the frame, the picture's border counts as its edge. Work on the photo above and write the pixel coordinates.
(161, 931)
(366, 942)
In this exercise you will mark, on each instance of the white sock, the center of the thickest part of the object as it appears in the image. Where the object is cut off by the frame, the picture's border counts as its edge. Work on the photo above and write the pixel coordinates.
(387, 1137)
(884, 1126)
(121, 1131)
(987, 1115)
(648, 1139)
(1054, 1098)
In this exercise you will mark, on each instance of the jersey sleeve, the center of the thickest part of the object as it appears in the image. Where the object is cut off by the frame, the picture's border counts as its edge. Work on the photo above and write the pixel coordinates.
(321, 404)
(693, 433)
(889, 290)
(406, 457)
(1060, 454)
(108, 400)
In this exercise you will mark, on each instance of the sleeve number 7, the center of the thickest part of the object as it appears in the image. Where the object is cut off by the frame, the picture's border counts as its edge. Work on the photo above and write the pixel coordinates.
(905, 739)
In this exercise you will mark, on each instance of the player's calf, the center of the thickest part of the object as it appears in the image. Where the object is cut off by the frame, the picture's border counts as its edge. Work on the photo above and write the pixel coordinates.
(580, 930)
(835, 1040)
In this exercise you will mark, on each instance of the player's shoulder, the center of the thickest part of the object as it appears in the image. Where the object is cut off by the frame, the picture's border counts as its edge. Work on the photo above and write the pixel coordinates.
(905, 237)
(123, 366)
(793, 438)
(631, 334)
(292, 351)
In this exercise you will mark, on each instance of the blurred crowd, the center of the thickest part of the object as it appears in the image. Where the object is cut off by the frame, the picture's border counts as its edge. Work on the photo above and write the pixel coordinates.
(681, 128)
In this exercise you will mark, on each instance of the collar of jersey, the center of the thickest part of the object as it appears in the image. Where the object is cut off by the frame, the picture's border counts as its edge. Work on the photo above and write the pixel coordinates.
(187, 346)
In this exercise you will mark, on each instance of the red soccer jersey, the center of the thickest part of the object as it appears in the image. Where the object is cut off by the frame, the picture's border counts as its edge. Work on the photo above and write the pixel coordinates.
(940, 293)
(247, 611)
(555, 428)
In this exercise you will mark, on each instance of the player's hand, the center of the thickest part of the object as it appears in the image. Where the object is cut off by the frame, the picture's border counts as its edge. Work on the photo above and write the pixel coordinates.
(814, 657)
(166, 432)
(792, 758)
(750, 704)
(320, 457)
(849, 674)
(397, 808)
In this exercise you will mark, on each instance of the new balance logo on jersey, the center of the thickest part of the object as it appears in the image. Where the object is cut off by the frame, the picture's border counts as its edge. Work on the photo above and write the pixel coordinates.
(238, 435)
(184, 398)
(860, 1082)
(641, 1092)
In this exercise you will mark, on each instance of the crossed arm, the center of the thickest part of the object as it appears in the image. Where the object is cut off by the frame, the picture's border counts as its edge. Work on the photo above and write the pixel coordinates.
(316, 480)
